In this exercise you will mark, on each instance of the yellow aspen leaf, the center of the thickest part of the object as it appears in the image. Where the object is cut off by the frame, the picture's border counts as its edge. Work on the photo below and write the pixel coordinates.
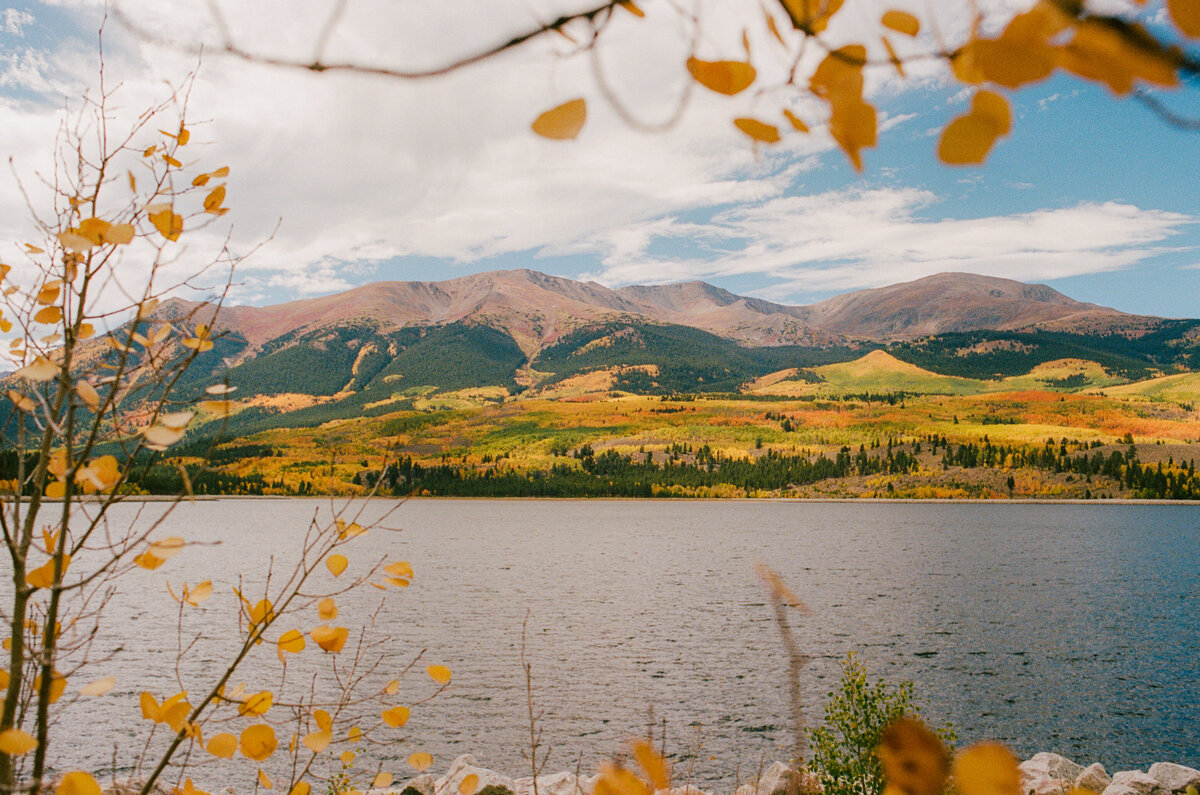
(794, 120)
(220, 389)
(301, 788)
(382, 780)
(331, 639)
(43, 576)
(420, 761)
(966, 141)
(189, 788)
(175, 714)
(22, 402)
(322, 719)
(986, 769)
(213, 201)
(632, 8)
(396, 716)
(197, 344)
(160, 437)
(811, 16)
(993, 107)
(73, 241)
(148, 561)
(99, 687)
(150, 707)
(77, 782)
(468, 785)
(759, 131)
(199, 594)
(264, 780)
(168, 224)
(1186, 16)
(392, 687)
(258, 741)
(901, 22)
(40, 369)
(166, 548)
(94, 229)
(327, 609)
(346, 757)
(852, 125)
(897, 64)
(616, 780)
(257, 704)
(397, 582)
(88, 394)
(913, 758)
(132, 181)
(263, 612)
(184, 136)
(223, 171)
(200, 180)
(562, 123)
(401, 568)
(291, 641)
(655, 767)
(724, 77)
(119, 234)
(352, 530)
(337, 564)
(438, 673)
(839, 75)
(318, 741)
(223, 745)
(48, 294)
(1013, 63)
(176, 419)
(171, 161)
(15, 742)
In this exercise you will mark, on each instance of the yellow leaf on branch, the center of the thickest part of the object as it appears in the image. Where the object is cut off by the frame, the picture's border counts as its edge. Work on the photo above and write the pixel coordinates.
(724, 77)
(562, 123)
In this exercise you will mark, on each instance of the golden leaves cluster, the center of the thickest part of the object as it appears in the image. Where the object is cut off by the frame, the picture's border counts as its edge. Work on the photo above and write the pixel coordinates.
(916, 763)
(1047, 38)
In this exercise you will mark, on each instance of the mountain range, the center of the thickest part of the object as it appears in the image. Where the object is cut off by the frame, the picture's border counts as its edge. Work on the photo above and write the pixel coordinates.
(536, 310)
(378, 348)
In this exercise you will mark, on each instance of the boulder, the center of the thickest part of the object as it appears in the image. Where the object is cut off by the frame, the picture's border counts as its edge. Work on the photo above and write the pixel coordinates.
(1120, 789)
(464, 766)
(563, 783)
(422, 784)
(777, 778)
(686, 790)
(1135, 780)
(1048, 774)
(1094, 777)
(1173, 777)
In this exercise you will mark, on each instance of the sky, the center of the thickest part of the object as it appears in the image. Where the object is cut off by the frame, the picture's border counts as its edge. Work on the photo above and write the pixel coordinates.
(341, 179)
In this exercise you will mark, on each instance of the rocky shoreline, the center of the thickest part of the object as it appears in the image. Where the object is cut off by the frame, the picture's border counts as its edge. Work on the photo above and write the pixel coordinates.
(1042, 774)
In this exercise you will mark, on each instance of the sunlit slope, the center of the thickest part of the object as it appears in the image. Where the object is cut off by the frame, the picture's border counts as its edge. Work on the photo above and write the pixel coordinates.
(1068, 375)
(1180, 388)
(877, 371)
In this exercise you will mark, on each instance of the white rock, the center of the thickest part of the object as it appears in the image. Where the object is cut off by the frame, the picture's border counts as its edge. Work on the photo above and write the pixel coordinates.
(464, 766)
(1173, 777)
(1136, 780)
(563, 783)
(1120, 789)
(587, 784)
(776, 777)
(1094, 777)
(1048, 774)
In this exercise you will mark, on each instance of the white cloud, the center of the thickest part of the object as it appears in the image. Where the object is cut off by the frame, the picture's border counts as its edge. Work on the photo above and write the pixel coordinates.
(846, 240)
(15, 21)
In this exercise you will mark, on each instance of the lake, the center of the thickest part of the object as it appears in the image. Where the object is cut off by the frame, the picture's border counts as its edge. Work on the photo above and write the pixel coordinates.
(1072, 628)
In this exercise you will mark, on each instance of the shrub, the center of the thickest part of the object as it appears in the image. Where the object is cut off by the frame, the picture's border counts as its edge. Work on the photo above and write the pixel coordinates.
(844, 757)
